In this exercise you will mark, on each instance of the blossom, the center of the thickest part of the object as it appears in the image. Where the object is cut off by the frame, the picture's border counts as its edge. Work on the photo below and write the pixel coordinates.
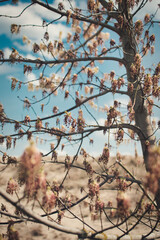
(29, 169)
(49, 199)
(123, 204)
(12, 186)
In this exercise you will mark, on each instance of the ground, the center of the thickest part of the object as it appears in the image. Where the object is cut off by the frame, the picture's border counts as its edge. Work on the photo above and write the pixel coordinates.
(75, 182)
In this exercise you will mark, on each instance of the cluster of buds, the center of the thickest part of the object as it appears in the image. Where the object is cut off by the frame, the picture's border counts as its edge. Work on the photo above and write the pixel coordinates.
(50, 47)
(29, 135)
(133, 70)
(69, 13)
(120, 135)
(46, 36)
(54, 156)
(112, 42)
(93, 188)
(123, 204)
(74, 78)
(60, 216)
(55, 109)
(120, 82)
(15, 28)
(130, 3)
(91, 48)
(30, 172)
(36, 48)
(8, 142)
(67, 118)
(150, 104)
(17, 126)
(55, 187)
(114, 83)
(110, 5)
(83, 153)
(27, 119)
(66, 94)
(69, 36)
(155, 87)
(157, 70)
(98, 17)
(13, 83)
(27, 103)
(76, 37)
(138, 27)
(111, 115)
(147, 18)
(12, 186)
(60, 6)
(90, 73)
(14, 55)
(67, 162)
(80, 121)
(149, 207)
(105, 155)
(91, 5)
(88, 168)
(49, 200)
(130, 87)
(137, 60)
(27, 69)
(153, 175)
(99, 205)
(38, 124)
(122, 184)
(147, 84)
(75, 21)
(60, 46)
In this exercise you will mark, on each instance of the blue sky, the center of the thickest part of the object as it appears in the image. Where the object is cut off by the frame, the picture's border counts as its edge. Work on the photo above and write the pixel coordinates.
(11, 100)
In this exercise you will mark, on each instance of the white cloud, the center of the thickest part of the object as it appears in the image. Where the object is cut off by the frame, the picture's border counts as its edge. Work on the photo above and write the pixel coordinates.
(32, 77)
(100, 122)
(23, 47)
(33, 15)
(7, 52)
(5, 69)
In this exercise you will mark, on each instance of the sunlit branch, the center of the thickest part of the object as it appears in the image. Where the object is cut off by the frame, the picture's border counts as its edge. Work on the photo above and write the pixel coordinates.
(143, 3)
(58, 61)
(74, 158)
(39, 219)
(7, 120)
(83, 19)
(105, 176)
(7, 16)
(89, 130)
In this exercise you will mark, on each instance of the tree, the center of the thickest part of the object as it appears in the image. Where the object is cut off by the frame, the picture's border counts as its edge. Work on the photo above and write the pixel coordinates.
(82, 57)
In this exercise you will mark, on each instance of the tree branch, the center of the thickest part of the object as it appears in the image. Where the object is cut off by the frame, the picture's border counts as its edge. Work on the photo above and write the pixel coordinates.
(59, 61)
(40, 219)
(77, 17)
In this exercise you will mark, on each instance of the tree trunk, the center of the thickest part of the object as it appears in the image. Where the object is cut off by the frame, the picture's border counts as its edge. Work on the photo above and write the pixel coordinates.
(142, 118)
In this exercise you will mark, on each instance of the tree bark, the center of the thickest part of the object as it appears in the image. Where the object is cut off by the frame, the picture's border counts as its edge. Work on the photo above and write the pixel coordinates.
(142, 117)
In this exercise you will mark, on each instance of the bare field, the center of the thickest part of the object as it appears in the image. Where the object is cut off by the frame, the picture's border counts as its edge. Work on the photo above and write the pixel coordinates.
(75, 185)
